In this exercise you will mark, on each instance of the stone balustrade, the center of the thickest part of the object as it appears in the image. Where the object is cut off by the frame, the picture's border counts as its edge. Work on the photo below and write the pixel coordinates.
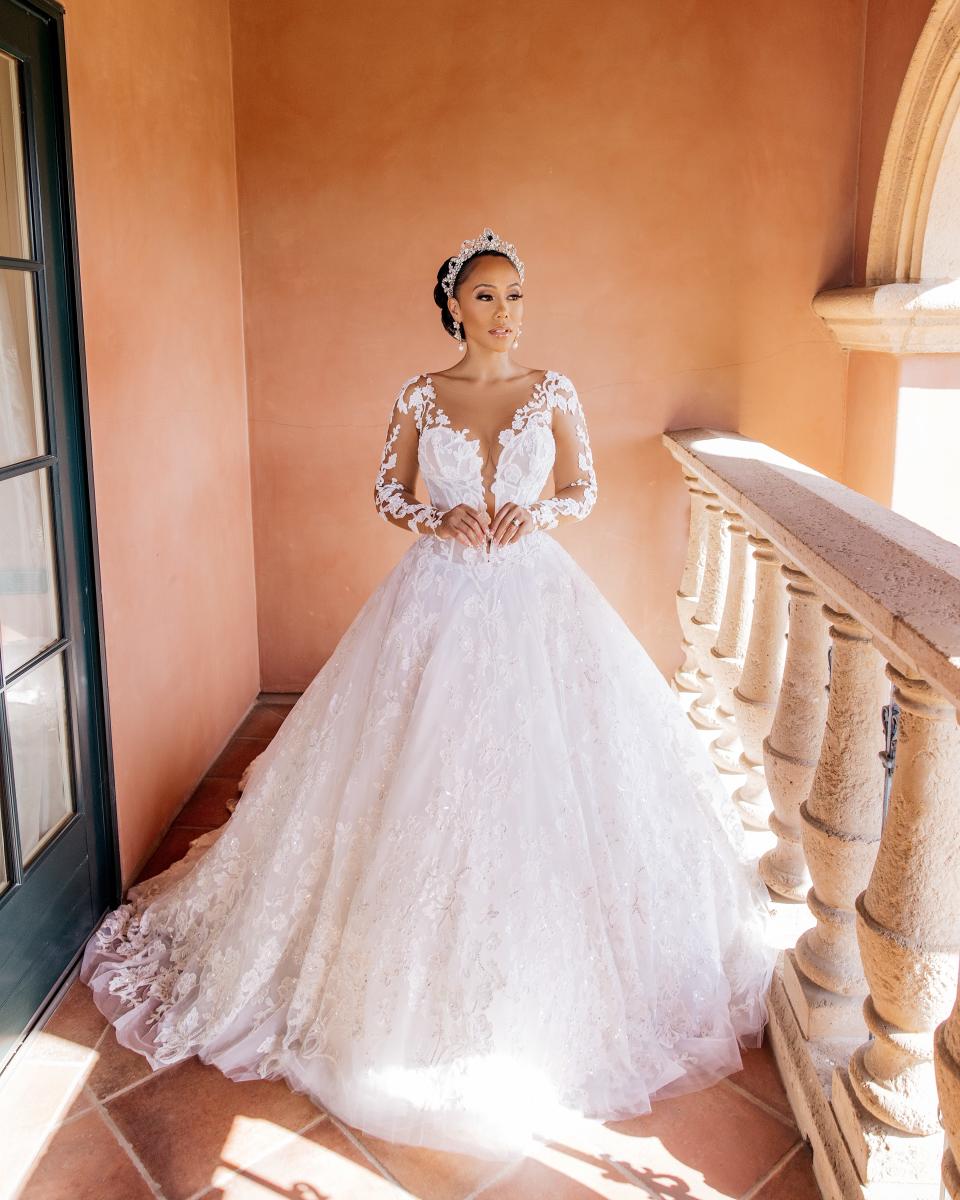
(848, 608)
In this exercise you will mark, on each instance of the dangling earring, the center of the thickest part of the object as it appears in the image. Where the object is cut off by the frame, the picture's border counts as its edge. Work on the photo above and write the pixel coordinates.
(461, 345)
(516, 340)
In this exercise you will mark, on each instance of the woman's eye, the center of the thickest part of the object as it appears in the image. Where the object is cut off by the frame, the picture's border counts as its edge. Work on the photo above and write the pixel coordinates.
(484, 296)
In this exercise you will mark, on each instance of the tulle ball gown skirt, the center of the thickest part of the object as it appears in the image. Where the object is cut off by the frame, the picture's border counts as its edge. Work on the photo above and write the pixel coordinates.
(484, 877)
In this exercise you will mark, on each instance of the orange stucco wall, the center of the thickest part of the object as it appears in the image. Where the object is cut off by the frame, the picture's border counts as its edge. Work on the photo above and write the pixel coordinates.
(155, 170)
(871, 423)
(680, 181)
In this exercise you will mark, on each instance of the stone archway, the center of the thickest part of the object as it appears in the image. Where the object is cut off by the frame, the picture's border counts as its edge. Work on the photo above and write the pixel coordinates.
(913, 234)
(911, 301)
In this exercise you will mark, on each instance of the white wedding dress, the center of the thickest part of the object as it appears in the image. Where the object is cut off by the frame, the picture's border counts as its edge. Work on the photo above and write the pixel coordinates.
(484, 877)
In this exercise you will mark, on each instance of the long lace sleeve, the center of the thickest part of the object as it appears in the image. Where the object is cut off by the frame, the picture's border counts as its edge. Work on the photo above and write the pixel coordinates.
(573, 471)
(393, 492)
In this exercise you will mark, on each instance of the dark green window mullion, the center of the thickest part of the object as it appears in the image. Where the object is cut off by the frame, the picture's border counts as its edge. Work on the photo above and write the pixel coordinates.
(20, 264)
(38, 660)
(27, 465)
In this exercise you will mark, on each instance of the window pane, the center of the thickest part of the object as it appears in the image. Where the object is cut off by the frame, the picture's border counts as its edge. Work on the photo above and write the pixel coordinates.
(22, 427)
(36, 718)
(14, 227)
(29, 607)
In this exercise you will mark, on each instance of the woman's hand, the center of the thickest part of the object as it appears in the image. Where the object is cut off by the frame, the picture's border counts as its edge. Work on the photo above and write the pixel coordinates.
(503, 529)
(468, 525)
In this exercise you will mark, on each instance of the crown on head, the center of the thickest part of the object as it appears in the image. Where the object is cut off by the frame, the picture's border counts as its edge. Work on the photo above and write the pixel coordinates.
(487, 240)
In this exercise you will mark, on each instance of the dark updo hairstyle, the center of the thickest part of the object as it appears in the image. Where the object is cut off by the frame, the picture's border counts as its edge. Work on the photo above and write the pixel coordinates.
(440, 296)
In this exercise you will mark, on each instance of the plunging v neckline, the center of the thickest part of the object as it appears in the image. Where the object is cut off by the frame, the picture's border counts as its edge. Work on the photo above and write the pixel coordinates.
(444, 422)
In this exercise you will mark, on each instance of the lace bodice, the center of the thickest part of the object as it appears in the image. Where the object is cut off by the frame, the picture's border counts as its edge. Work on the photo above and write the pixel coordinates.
(452, 465)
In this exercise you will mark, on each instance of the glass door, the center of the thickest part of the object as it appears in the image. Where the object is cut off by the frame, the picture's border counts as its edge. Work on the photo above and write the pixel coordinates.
(58, 860)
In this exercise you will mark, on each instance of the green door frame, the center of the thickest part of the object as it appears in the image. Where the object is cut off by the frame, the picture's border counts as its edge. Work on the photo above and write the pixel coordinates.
(50, 909)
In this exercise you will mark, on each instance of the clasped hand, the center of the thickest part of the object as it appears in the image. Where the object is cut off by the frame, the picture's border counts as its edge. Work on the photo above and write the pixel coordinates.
(473, 526)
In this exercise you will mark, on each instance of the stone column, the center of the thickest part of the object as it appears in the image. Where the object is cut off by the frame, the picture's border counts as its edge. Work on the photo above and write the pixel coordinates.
(688, 594)
(731, 644)
(840, 824)
(755, 696)
(791, 749)
(908, 926)
(706, 620)
(946, 1061)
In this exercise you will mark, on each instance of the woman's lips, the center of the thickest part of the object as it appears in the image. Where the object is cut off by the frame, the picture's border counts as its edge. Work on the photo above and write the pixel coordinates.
(500, 332)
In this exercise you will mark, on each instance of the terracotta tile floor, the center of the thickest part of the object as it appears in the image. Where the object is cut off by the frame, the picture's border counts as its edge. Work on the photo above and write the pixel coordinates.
(85, 1119)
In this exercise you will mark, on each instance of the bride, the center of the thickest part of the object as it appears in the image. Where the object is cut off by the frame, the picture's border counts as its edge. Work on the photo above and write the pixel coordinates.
(484, 879)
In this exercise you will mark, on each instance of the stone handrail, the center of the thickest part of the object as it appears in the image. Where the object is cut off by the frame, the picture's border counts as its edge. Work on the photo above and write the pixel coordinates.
(821, 639)
(899, 579)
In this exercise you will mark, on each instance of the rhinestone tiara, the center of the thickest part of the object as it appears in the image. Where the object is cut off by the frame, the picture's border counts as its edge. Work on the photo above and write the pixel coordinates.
(487, 240)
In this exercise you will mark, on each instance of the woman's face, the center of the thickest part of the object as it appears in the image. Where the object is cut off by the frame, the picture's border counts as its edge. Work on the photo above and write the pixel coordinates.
(489, 297)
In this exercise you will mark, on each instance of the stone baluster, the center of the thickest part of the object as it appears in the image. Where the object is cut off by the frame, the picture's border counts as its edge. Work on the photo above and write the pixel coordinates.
(688, 594)
(908, 927)
(791, 749)
(705, 622)
(731, 644)
(946, 1062)
(755, 696)
(840, 824)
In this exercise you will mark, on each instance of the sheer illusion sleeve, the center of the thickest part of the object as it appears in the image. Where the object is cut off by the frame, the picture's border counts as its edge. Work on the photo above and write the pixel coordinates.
(573, 473)
(393, 492)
